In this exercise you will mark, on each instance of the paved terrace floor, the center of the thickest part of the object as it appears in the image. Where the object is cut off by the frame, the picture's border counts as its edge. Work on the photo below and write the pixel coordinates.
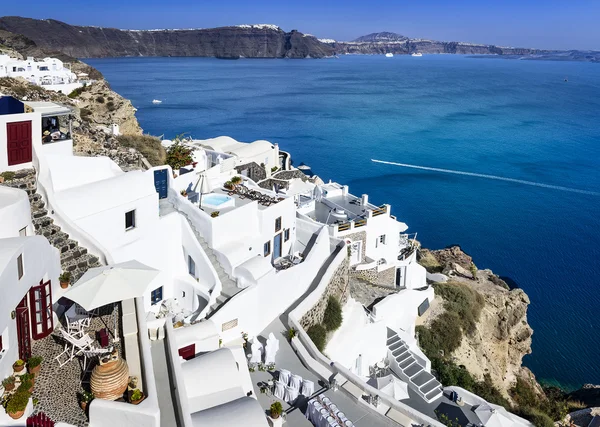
(56, 388)
(286, 358)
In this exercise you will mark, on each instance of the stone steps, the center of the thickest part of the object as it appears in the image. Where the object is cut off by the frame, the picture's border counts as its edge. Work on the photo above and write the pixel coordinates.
(73, 258)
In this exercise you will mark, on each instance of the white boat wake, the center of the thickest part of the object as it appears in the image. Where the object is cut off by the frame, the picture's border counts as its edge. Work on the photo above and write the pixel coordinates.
(498, 178)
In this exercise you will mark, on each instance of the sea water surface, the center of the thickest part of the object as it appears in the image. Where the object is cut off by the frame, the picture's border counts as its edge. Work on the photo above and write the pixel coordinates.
(516, 119)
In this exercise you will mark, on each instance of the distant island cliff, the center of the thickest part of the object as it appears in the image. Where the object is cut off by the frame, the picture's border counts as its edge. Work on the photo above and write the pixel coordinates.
(245, 41)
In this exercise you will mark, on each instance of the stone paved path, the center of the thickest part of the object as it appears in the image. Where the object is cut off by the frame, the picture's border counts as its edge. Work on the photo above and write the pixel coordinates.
(366, 293)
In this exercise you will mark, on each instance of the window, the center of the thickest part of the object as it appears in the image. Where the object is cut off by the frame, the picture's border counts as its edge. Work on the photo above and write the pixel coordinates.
(191, 266)
(1, 343)
(23, 232)
(286, 235)
(130, 220)
(156, 296)
(267, 248)
(278, 225)
(20, 266)
(380, 240)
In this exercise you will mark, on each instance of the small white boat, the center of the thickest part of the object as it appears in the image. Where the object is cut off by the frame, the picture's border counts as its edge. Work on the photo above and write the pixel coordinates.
(389, 55)
(156, 101)
(416, 54)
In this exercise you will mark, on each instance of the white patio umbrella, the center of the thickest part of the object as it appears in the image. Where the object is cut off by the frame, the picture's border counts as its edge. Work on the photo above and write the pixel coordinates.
(105, 285)
(492, 417)
(393, 386)
(271, 349)
(205, 186)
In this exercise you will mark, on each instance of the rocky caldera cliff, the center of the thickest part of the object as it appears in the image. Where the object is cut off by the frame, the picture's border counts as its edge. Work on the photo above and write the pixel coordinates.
(386, 42)
(502, 336)
(248, 41)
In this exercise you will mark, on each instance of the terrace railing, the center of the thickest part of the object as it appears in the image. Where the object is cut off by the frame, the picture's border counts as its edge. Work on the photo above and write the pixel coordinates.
(380, 210)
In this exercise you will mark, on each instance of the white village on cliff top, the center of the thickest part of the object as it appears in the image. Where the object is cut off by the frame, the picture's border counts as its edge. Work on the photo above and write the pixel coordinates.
(200, 296)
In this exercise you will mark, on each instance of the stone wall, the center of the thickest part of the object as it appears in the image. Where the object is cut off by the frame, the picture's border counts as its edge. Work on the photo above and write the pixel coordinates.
(287, 175)
(338, 287)
(269, 183)
(256, 172)
(385, 278)
(354, 237)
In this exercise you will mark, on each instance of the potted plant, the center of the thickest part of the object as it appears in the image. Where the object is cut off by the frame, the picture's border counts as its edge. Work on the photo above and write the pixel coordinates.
(276, 410)
(64, 279)
(19, 365)
(34, 364)
(214, 214)
(228, 185)
(136, 396)
(236, 180)
(27, 383)
(9, 383)
(291, 333)
(15, 407)
(183, 193)
(85, 397)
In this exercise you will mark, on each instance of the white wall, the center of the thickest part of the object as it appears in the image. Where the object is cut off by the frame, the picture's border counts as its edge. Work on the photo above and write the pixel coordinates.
(256, 306)
(399, 310)
(41, 261)
(15, 212)
(36, 137)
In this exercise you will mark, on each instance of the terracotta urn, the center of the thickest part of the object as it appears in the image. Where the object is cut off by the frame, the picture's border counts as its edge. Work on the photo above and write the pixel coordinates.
(64, 285)
(110, 378)
(35, 370)
(18, 368)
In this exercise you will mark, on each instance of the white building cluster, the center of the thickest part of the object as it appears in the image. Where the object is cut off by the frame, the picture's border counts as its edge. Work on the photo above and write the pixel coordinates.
(238, 243)
(50, 73)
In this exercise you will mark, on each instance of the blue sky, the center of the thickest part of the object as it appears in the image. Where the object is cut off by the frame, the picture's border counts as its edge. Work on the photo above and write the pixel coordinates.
(566, 24)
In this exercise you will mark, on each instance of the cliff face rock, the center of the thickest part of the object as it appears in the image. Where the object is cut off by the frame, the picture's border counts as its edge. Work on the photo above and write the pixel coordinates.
(502, 336)
(249, 41)
(103, 107)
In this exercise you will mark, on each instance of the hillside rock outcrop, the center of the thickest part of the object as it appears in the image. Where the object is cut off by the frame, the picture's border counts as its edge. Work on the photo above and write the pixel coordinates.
(502, 336)
(247, 41)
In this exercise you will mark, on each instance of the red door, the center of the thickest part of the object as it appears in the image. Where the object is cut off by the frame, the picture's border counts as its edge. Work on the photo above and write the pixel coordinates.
(23, 329)
(40, 298)
(18, 140)
(188, 352)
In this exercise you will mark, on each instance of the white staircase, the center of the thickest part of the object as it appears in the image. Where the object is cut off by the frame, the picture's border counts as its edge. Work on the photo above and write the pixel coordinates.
(406, 366)
(229, 287)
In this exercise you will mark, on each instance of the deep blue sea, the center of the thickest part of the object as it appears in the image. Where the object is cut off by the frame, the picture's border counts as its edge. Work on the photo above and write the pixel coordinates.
(516, 119)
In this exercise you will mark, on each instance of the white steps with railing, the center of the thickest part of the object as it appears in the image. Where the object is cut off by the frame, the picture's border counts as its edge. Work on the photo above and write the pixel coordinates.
(229, 287)
(404, 364)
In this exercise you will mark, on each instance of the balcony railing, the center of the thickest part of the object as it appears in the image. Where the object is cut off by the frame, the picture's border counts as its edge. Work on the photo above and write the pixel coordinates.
(380, 210)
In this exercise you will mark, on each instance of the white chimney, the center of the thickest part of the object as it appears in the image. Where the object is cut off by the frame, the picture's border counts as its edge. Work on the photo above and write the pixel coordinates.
(115, 129)
(364, 200)
(344, 190)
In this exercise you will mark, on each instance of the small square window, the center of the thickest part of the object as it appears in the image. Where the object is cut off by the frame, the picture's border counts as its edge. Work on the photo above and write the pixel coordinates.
(1, 343)
(130, 220)
(191, 266)
(267, 248)
(286, 235)
(156, 296)
(20, 266)
(278, 225)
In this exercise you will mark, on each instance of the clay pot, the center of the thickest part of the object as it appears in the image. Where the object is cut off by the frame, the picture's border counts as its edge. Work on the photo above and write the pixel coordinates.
(9, 387)
(110, 378)
(64, 285)
(16, 415)
(83, 405)
(35, 371)
(18, 368)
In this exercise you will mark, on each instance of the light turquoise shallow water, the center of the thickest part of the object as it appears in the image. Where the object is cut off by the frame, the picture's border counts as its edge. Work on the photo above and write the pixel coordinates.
(516, 119)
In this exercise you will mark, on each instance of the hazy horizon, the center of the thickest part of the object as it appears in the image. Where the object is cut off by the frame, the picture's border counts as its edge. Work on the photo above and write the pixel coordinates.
(543, 25)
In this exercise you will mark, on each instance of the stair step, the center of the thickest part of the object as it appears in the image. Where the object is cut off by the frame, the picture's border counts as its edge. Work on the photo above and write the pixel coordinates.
(50, 231)
(433, 395)
(39, 213)
(58, 239)
(413, 370)
(406, 363)
(429, 386)
(42, 222)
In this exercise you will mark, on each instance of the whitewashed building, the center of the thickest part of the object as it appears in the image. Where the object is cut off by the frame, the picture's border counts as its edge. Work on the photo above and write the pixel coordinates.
(50, 73)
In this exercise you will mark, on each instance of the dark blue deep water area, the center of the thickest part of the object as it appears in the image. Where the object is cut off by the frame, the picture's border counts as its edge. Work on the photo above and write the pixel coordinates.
(510, 118)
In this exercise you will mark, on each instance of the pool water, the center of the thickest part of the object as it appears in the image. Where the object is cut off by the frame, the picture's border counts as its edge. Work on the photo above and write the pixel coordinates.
(216, 200)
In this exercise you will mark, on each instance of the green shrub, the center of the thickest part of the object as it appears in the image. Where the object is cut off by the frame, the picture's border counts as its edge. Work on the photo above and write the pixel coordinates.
(110, 106)
(318, 336)
(473, 269)
(18, 402)
(100, 99)
(149, 146)
(276, 409)
(65, 276)
(8, 175)
(8, 381)
(84, 113)
(77, 92)
(86, 396)
(462, 300)
(537, 417)
(332, 318)
(136, 395)
(291, 333)
(178, 155)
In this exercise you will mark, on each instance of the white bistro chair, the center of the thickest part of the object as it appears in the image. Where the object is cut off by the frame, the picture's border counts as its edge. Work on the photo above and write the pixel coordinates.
(74, 346)
(308, 388)
(284, 376)
(279, 392)
(296, 382)
(291, 394)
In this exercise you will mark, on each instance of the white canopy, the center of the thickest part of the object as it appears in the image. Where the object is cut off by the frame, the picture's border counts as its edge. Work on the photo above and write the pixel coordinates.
(271, 349)
(393, 386)
(105, 285)
(203, 184)
(257, 349)
(492, 417)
